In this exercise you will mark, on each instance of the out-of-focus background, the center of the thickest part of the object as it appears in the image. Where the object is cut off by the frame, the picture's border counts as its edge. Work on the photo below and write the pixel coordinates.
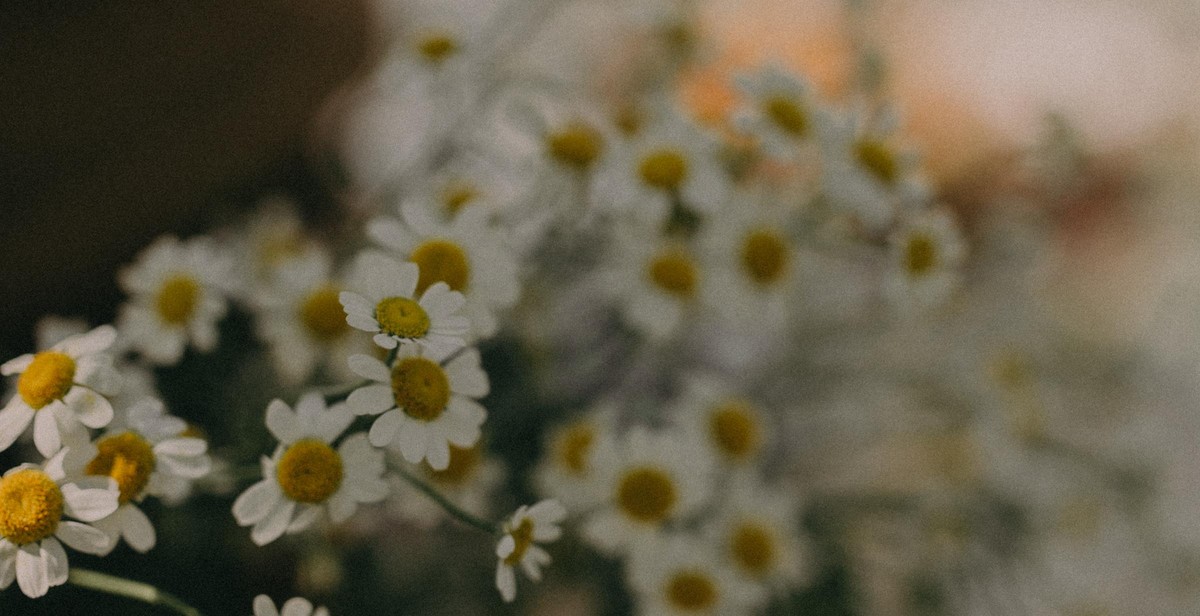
(120, 123)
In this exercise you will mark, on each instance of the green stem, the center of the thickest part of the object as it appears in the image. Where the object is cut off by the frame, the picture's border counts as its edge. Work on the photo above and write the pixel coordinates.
(451, 508)
(121, 587)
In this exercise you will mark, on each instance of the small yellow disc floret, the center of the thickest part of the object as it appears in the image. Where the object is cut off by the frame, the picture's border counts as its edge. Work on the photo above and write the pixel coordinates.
(753, 548)
(665, 169)
(879, 159)
(48, 378)
(691, 591)
(309, 471)
(764, 256)
(322, 315)
(441, 260)
(400, 316)
(31, 506)
(674, 272)
(734, 430)
(420, 387)
(920, 255)
(787, 115)
(646, 494)
(128, 458)
(523, 538)
(177, 298)
(577, 145)
(573, 447)
(437, 47)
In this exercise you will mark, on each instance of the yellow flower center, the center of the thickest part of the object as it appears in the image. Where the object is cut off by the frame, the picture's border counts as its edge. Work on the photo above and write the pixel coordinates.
(437, 47)
(628, 120)
(280, 247)
(879, 159)
(764, 256)
(176, 300)
(458, 196)
(128, 458)
(573, 447)
(400, 316)
(420, 387)
(674, 272)
(577, 145)
(441, 261)
(31, 506)
(646, 494)
(734, 429)
(665, 169)
(753, 548)
(691, 591)
(48, 378)
(787, 115)
(309, 471)
(463, 463)
(523, 537)
(920, 254)
(322, 315)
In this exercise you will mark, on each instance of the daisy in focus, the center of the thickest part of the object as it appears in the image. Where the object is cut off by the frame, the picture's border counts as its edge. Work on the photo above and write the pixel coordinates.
(529, 526)
(149, 456)
(306, 475)
(384, 300)
(33, 502)
(296, 606)
(178, 293)
(468, 255)
(61, 388)
(648, 480)
(423, 407)
(677, 575)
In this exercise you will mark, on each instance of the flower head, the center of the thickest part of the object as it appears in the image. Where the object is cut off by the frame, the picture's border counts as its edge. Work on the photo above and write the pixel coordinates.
(527, 527)
(59, 389)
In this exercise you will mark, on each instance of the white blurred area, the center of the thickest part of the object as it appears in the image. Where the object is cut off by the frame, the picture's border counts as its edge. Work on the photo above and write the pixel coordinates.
(979, 75)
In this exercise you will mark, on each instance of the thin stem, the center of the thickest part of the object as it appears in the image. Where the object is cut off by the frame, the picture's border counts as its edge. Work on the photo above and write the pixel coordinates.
(451, 508)
(121, 587)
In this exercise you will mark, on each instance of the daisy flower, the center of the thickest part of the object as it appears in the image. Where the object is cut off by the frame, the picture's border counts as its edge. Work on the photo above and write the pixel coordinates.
(671, 159)
(387, 300)
(423, 407)
(306, 475)
(677, 575)
(303, 322)
(296, 606)
(470, 180)
(60, 388)
(567, 469)
(467, 255)
(925, 254)
(273, 237)
(526, 528)
(866, 173)
(468, 482)
(729, 427)
(33, 502)
(757, 533)
(178, 293)
(149, 456)
(751, 261)
(782, 112)
(657, 281)
(648, 480)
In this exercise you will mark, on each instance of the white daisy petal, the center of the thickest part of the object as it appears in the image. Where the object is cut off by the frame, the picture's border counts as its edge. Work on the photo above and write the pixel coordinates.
(256, 502)
(14, 419)
(281, 421)
(369, 368)
(136, 527)
(371, 400)
(89, 504)
(97, 340)
(385, 428)
(263, 606)
(16, 365)
(92, 409)
(45, 431)
(506, 582)
(274, 524)
(85, 538)
(296, 606)
(55, 559)
(32, 576)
